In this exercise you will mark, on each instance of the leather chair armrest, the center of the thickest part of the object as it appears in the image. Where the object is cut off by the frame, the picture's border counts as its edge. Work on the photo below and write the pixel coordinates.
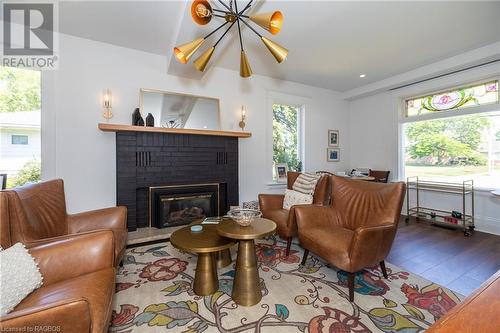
(313, 215)
(292, 219)
(114, 218)
(71, 316)
(271, 201)
(371, 244)
(74, 256)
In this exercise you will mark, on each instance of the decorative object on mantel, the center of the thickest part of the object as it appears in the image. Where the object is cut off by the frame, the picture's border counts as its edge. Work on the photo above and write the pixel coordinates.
(332, 155)
(107, 104)
(242, 123)
(150, 120)
(202, 13)
(127, 128)
(136, 118)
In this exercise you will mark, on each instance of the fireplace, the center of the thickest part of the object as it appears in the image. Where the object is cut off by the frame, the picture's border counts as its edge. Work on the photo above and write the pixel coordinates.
(182, 204)
(147, 160)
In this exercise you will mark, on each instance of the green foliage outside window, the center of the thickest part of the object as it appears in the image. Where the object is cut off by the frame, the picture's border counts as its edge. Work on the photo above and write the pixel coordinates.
(448, 141)
(30, 173)
(286, 135)
(19, 90)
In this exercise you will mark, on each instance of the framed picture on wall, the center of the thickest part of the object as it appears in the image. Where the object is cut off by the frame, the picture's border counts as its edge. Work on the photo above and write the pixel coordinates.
(332, 155)
(281, 171)
(333, 138)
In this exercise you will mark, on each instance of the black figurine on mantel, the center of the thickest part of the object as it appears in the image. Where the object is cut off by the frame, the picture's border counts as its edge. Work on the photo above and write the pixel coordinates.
(137, 118)
(150, 120)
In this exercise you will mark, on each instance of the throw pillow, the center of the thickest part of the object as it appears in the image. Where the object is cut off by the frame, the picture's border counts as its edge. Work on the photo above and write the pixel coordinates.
(19, 276)
(296, 198)
(306, 183)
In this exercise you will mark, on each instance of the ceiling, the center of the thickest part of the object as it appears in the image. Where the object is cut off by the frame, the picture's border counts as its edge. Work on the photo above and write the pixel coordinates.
(331, 43)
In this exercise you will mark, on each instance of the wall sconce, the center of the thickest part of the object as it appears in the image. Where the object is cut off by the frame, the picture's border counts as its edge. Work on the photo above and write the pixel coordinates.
(242, 123)
(107, 99)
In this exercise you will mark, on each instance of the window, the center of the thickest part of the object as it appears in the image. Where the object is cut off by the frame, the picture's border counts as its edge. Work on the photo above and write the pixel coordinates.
(483, 94)
(287, 145)
(19, 139)
(453, 145)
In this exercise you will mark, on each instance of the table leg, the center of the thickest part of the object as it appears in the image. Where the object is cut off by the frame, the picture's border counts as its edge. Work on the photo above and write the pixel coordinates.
(205, 276)
(246, 287)
(223, 258)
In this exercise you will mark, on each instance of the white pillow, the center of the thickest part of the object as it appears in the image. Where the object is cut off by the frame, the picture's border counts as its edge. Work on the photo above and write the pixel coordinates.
(306, 183)
(296, 198)
(19, 276)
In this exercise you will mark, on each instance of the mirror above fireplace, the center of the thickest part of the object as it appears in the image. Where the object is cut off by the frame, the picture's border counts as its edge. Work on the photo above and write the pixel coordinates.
(183, 111)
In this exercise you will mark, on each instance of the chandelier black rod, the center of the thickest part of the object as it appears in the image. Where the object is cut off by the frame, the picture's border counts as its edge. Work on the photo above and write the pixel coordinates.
(227, 7)
(239, 27)
(216, 29)
(246, 7)
(248, 25)
(224, 34)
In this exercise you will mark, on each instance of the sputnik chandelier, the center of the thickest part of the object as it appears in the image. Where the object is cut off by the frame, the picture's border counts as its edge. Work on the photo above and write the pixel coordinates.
(202, 13)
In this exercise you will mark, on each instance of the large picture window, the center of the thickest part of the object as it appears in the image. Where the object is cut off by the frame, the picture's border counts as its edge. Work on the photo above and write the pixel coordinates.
(454, 146)
(287, 145)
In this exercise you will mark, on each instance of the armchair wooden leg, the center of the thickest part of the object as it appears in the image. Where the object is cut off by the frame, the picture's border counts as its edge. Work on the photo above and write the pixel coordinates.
(350, 284)
(382, 268)
(288, 246)
(304, 258)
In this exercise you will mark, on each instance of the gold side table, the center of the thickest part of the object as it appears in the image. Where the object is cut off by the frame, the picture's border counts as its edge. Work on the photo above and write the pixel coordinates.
(223, 257)
(246, 285)
(205, 243)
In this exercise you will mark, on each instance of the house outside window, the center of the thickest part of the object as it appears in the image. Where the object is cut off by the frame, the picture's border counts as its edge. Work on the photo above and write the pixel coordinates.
(454, 136)
(20, 136)
(287, 136)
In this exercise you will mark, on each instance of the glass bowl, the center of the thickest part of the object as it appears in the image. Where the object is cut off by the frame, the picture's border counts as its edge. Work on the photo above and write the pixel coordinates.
(244, 216)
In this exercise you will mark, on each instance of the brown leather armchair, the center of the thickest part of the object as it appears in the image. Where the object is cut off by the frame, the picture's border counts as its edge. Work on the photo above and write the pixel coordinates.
(38, 215)
(271, 206)
(357, 231)
(78, 286)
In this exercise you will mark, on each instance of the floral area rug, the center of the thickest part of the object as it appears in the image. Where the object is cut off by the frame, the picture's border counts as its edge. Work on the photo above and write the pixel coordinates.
(154, 294)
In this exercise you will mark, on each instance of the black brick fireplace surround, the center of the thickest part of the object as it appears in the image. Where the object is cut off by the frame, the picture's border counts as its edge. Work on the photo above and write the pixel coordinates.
(145, 160)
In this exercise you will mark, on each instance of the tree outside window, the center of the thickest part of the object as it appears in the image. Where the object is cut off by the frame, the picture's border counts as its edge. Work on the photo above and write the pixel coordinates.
(286, 136)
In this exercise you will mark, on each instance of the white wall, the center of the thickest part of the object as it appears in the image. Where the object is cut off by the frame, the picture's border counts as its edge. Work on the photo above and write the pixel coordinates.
(374, 139)
(75, 150)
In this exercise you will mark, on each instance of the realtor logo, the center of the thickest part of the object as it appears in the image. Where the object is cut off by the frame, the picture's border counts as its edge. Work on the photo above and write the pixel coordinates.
(28, 35)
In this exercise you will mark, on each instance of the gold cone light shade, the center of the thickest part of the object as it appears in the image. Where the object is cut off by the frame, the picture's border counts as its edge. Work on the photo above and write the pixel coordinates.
(272, 22)
(245, 69)
(201, 12)
(278, 51)
(203, 60)
(185, 51)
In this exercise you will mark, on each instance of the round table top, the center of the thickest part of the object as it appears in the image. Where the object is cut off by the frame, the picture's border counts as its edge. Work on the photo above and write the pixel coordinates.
(258, 228)
(205, 241)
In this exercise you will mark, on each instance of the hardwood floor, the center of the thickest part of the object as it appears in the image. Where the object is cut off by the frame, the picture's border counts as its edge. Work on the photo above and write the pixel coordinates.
(445, 256)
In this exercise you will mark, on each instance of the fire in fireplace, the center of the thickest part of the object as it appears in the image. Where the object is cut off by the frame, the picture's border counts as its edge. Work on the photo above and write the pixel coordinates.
(182, 204)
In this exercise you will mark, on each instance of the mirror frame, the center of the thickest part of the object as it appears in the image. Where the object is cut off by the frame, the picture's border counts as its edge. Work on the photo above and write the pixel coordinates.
(144, 90)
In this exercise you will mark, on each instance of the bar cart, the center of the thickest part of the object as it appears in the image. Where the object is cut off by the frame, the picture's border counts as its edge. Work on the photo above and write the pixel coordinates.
(463, 219)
